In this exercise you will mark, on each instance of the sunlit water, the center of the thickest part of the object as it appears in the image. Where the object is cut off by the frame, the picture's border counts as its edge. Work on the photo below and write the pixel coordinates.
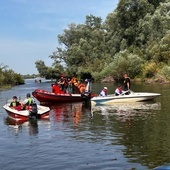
(122, 136)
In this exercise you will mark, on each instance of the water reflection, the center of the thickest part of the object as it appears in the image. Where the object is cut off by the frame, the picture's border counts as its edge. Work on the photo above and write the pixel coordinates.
(17, 126)
(126, 108)
(66, 112)
(142, 131)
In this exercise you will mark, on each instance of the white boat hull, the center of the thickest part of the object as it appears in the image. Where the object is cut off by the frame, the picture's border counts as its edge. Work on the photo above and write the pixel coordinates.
(132, 97)
(43, 112)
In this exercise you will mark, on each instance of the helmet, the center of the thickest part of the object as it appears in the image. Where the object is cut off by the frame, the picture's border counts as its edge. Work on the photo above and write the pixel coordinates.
(28, 95)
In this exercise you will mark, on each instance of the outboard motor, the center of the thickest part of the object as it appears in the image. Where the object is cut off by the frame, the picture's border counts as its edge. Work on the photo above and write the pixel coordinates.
(33, 111)
(86, 93)
(86, 96)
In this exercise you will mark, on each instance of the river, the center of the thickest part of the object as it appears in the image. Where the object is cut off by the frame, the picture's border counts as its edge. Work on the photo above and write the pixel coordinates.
(119, 137)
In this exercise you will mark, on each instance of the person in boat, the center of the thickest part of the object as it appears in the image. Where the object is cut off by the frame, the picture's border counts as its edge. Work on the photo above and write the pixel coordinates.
(118, 90)
(62, 82)
(127, 83)
(15, 102)
(103, 92)
(74, 83)
(27, 102)
(69, 86)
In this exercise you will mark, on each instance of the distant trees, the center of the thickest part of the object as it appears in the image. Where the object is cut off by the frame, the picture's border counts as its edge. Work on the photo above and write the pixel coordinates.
(48, 72)
(9, 77)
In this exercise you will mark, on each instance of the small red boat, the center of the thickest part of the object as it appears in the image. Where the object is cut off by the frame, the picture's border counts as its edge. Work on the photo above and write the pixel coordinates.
(18, 114)
(58, 95)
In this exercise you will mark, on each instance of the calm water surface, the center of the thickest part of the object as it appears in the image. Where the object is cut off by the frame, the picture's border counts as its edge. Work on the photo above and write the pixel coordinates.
(121, 136)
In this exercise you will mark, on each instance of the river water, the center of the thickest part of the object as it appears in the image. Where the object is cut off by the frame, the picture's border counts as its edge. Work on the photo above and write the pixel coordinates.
(118, 137)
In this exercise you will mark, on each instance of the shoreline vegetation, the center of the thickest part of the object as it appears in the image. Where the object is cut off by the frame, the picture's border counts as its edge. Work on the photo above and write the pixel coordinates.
(156, 80)
(110, 79)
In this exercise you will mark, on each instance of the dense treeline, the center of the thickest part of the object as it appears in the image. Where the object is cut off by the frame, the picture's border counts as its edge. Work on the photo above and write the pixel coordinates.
(134, 38)
(9, 78)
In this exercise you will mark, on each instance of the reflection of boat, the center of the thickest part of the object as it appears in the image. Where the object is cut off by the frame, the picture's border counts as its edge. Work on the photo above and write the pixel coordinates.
(69, 112)
(124, 109)
(132, 97)
(58, 95)
(18, 114)
(130, 106)
(13, 122)
(17, 125)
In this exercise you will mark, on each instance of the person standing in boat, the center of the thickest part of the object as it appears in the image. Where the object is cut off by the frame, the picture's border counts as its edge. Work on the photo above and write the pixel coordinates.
(74, 82)
(103, 92)
(69, 86)
(127, 83)
(62, 83)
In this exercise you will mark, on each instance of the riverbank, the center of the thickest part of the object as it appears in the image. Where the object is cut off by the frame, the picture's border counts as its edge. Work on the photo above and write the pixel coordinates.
(6, 87)
(156, 79)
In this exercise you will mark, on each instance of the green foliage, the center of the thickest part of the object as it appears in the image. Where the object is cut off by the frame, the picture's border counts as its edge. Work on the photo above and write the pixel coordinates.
(134, 38)
(124, 62)
(160, 52)
(9, 77)
(48, 72)
(150, 69)
(166, 72)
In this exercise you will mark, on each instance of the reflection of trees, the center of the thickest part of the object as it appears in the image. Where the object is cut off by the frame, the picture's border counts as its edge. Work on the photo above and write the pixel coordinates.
(141, 133)
(144, 134)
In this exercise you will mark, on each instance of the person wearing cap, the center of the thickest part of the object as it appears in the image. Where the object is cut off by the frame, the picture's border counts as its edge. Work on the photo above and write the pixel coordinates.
(103, 92)
(15, 103)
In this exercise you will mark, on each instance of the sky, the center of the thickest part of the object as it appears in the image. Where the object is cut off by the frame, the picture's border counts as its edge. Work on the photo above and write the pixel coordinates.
(29, 28)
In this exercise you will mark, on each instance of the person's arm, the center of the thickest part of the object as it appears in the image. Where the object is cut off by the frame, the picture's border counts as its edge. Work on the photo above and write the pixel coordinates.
(128, 85)
(25, 101)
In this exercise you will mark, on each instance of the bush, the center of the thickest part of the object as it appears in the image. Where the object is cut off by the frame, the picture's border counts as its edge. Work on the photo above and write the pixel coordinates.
(149, 69)
(166, 72)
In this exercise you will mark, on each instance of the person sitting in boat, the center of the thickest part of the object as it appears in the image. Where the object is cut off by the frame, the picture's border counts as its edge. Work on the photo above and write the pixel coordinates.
(15, 103)
(28, 101)
(103, 92)
(118, 90)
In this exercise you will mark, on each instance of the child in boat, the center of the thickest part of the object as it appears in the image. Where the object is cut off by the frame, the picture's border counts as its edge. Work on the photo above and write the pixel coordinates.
(15, 103)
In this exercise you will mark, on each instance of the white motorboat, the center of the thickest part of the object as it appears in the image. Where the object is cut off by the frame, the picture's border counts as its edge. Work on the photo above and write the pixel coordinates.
(42, 112)
(131, 97)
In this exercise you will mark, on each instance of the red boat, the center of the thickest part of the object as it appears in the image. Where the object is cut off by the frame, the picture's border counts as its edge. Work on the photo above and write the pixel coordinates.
(58, 95)
(18, 114)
